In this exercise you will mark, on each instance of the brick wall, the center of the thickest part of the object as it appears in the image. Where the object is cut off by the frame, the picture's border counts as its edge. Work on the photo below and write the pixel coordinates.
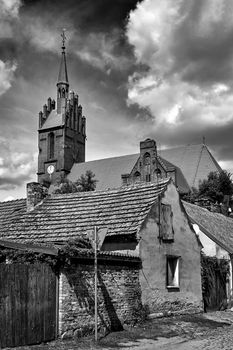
(119, 298)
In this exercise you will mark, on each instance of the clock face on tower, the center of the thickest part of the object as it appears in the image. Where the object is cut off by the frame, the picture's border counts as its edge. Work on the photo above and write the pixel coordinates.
(50, 169)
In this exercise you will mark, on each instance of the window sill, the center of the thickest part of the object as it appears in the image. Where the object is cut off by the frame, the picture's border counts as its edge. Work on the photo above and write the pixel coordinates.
(173, 288)
(168, 240)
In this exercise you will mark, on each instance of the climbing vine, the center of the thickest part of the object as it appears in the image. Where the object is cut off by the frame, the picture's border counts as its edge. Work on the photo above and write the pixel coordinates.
(210, 266)
(70, 250)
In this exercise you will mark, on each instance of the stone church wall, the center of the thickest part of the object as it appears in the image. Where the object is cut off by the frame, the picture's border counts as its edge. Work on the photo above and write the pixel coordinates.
(119, 297)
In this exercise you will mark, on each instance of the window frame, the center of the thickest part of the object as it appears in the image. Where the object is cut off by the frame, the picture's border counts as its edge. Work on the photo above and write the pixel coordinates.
(51, 145)
(166, 235)
(174, 286)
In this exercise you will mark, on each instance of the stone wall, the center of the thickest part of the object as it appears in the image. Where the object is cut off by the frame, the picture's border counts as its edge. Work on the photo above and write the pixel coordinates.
(119, 297)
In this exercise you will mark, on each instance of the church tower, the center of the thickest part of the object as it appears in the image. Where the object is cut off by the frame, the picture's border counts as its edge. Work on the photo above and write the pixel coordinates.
(62, 130)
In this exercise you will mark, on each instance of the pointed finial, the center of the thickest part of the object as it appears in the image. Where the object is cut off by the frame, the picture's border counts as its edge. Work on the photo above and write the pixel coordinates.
(63, 38)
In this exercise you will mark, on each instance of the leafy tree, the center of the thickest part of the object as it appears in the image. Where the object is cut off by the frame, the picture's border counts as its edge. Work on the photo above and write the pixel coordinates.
(84, 183)
(216, 186)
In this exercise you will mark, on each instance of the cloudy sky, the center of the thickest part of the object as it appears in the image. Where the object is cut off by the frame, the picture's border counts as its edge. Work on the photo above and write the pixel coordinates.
(149, 68)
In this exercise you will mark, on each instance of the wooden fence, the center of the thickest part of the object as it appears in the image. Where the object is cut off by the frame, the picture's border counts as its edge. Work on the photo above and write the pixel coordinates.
(28, 301)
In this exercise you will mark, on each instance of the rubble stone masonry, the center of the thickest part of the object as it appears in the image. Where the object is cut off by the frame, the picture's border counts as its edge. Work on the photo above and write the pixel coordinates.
(119, 298)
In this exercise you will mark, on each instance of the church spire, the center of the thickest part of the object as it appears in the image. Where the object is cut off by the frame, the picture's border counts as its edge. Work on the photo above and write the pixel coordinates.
(63, 83)
(63, 76)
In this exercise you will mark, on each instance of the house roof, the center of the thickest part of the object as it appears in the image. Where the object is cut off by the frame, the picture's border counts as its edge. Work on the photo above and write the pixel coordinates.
(61, 217)
(216, 226)
(10, 212)
(195, 161)
(108, 171)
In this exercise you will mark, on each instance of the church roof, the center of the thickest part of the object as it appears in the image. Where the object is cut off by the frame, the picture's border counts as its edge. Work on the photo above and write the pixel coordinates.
(63, 75)
(216, 226)
(108, 171)
(61, 217)
(195, 161)
(54, 119)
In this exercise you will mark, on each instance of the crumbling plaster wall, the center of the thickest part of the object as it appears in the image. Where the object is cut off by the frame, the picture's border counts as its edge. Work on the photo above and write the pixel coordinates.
(154, 253)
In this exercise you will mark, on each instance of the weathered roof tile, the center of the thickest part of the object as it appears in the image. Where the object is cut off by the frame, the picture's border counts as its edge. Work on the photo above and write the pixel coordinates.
(65, 216)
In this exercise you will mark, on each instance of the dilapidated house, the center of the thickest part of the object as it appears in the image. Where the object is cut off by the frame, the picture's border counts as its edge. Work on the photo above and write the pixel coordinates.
(150, 258)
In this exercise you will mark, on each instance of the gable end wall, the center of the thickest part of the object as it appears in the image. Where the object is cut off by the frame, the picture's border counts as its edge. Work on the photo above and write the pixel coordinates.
(154, 259)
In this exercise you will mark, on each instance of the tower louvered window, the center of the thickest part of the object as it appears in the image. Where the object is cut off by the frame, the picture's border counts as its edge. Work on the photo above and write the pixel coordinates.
(51, 145)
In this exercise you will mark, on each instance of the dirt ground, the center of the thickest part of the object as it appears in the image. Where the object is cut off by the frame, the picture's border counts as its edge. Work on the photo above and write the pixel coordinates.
(203, 331)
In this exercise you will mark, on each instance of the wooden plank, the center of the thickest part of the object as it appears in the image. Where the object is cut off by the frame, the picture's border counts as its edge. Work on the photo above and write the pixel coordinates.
(27, 304)
(26, 246)
(8, 277)
(2, 307)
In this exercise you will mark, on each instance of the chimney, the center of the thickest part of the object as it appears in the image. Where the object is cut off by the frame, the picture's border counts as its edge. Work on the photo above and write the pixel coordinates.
(35, 194)
(147, 146)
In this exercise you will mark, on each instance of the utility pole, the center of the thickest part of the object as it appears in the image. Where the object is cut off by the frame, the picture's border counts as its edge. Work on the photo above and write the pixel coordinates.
(96, 238)
(96, 281)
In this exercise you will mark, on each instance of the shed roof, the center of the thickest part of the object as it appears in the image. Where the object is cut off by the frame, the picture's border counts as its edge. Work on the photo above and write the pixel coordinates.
(216, 226)
(61, 217)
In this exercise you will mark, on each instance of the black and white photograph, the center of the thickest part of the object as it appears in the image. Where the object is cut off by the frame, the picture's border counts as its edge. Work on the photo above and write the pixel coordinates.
(116, 174)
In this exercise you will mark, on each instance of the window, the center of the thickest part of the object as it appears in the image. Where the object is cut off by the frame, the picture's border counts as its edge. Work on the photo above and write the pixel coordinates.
(158, 174)
(147, 163)
(137, 177)
(166, 223)
(173, 272)
(51, 145)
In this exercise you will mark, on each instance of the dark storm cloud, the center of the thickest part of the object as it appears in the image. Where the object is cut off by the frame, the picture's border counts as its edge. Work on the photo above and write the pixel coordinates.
(188, 87)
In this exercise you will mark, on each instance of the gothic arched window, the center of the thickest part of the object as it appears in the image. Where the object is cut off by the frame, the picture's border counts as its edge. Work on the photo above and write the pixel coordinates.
(137, 177)
(51, 145)
(147, 164)
(63, 92)
(158, 173)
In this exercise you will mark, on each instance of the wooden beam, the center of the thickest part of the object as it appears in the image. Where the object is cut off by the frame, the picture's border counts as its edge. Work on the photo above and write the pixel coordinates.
(25, 246)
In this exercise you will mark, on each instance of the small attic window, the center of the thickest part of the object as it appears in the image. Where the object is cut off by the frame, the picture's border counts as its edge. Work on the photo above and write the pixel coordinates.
(166, 223)
(137, 177)
(147, 163)
(173, 278)
(158, 173)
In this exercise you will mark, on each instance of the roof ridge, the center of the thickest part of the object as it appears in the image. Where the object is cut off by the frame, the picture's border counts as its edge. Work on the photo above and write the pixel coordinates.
(13, 200)
(122, 189)
(115, 157)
